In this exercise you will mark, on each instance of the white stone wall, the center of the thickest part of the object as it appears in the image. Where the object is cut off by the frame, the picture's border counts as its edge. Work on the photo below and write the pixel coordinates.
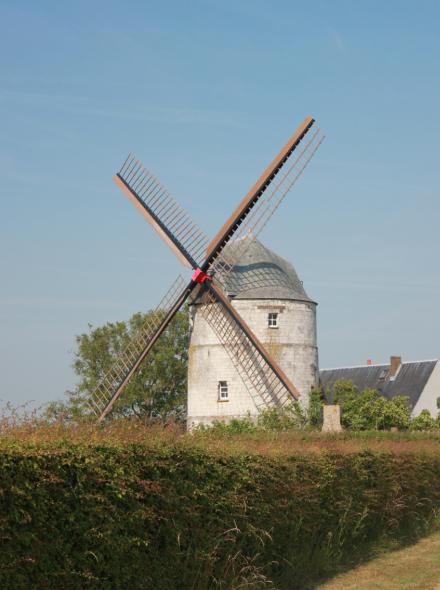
(293, 345)
(428, 397)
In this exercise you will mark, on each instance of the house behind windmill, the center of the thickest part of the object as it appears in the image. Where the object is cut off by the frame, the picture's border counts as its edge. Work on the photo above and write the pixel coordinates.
(417, 380)
(271, 299)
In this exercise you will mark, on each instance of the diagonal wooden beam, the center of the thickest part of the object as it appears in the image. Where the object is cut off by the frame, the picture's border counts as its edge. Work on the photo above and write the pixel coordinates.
(184, 256)
(224, 301)
(251, 198)
(177, 304)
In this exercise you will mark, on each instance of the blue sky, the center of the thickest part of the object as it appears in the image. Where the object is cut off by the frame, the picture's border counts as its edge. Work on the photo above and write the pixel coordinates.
(205, 93)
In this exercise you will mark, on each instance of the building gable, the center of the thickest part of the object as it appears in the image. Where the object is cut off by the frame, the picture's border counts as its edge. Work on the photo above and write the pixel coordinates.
(410, 380)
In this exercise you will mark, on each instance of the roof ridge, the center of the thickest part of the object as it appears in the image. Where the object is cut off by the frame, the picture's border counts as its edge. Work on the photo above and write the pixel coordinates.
(379, 365)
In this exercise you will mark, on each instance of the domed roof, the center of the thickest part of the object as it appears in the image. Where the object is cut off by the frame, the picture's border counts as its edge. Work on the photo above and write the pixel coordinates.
(259, 273)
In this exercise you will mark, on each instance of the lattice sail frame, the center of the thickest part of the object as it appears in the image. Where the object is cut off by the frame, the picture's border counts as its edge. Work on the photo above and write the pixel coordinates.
(263, 211)
(163, 212)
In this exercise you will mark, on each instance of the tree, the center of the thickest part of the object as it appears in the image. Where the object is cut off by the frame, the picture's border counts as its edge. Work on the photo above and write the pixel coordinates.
(424, 421)
(363, 411)
(158, 388)
(343, 391)
(397, 413)
(369, 410)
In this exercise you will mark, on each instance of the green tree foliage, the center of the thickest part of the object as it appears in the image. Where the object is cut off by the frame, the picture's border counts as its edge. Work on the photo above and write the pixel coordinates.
(157, 390)
(424, 421)
(315, 409)
(369, 410)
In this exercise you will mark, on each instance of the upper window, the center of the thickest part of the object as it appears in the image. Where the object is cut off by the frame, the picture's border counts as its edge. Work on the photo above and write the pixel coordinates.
(272, 320)
(223, 391)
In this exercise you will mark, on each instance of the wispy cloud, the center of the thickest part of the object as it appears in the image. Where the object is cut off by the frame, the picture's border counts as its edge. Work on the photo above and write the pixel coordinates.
(153, 113)
(51, 302)
(337, 39)
(376, 285)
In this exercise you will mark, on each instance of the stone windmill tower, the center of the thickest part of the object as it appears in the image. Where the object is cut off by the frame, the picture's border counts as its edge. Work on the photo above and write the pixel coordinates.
(266, 291)
(244, 298)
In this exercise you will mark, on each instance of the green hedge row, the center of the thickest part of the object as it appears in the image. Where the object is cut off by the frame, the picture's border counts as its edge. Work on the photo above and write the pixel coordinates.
(107, 517)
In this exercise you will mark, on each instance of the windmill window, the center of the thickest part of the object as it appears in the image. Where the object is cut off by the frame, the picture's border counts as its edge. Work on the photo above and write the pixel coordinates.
(272, 320)
(223, 391)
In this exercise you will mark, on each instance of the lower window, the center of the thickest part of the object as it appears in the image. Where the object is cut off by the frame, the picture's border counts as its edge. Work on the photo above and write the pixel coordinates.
(223, 391)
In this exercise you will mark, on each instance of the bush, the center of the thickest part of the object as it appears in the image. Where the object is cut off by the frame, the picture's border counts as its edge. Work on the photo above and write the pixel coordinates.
(315, 409)
(233, 427)
(369, 410)
(290, 417)
(116, 517)
(424, 421)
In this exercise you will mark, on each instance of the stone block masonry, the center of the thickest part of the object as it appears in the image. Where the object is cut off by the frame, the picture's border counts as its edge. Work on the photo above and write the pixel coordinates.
(292, 342)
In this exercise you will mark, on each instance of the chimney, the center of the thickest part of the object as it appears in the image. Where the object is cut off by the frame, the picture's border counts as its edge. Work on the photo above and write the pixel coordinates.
(395, 363)
(369, 362)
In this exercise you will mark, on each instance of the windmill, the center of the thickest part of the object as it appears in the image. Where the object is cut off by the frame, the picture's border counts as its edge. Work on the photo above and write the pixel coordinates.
(211, 263)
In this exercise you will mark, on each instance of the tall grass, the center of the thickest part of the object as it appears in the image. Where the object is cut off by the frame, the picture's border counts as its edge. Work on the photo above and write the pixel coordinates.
(21, 424)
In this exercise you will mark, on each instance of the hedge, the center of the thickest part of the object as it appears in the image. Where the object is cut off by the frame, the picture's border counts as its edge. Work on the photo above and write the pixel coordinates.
(133, 517)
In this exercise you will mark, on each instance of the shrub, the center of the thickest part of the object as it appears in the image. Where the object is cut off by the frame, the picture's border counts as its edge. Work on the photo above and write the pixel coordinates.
(369, 410)
(424, 421)
(315, 409)
(290, 417)
(133, 516)
(233, 427)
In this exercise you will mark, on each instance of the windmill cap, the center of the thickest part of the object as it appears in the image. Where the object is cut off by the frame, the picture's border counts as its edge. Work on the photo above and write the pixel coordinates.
(259, 273)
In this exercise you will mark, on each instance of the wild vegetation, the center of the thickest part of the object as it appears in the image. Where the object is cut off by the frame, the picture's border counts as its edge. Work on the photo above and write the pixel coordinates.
(141, 505)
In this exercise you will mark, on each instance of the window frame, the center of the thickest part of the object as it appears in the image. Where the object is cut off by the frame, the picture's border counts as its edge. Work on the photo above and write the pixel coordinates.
(272, 320)
(222, 389)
